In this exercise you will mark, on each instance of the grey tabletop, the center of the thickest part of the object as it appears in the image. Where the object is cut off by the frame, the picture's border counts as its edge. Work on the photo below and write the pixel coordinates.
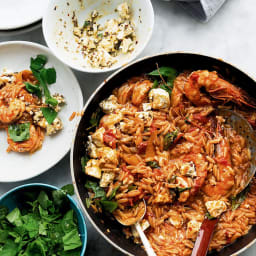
(230, 35)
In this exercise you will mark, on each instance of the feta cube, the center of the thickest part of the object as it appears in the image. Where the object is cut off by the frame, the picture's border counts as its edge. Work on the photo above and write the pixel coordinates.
(147, 117)
(146, 106)
(92, 168)
(127, 45)
(159, 98)
(91, 148)
(109, 105)
(216, 207)
(124, 11)
(106, 179)
(188, 169)
(175, 219)
(108, 155)
(108, 44)
(97, 137)
(111, 26)
(193, 227)
(144, 225)
(125, 29)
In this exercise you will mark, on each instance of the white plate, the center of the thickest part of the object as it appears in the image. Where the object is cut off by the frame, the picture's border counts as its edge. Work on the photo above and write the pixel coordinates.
(19, 13)
(19, 166)
(58, 29)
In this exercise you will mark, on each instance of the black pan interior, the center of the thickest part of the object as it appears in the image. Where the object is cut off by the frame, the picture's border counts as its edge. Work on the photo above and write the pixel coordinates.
(179, 61)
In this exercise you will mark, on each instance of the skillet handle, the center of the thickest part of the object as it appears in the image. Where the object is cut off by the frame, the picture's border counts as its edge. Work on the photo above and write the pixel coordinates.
(144, 240)
(204, 237)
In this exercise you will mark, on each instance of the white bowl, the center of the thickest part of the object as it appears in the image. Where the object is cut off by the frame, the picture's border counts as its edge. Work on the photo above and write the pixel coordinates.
(58, 28)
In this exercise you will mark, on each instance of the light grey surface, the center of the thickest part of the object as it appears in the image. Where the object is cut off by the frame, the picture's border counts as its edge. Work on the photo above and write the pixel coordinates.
(230, 35)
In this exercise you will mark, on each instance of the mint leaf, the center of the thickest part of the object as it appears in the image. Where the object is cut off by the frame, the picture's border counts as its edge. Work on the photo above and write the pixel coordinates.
(19, 132)
(49, 114)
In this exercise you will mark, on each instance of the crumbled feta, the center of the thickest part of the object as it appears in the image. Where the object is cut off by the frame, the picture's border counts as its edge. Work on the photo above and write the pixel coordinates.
(216, 207)
(193, 227)
(124, 11)
(101, 44)
(146, 116)
(106, 179)
(61, 101)
(109, 105)
(146, 106)
(54, 127)
(188, 169)
(159, 98)
(108, 155)
(175, 219)
(92, 168)
(144, 225)
(97, 137)
(91, 148)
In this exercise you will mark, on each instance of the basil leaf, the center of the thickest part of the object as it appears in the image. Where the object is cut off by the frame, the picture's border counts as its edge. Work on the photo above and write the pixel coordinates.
(14, 217)
(49, 114)
(38, 63)
(71, 240)
(35, 89)
(153, 164)
(69, 189)
(172, 179)
(95, 119)
(180, 190)
(109, 206)
(164, 71)
(209, 217)
(51, 75)
(51, 101)
(19, 132)
(155, 84)
(3, 212)
(131, 187)
(169, 139)
(236, 201)
(84, 160)
(86, 23)
(113, 192)
(98, 191)
(88, 202)
(43, 200)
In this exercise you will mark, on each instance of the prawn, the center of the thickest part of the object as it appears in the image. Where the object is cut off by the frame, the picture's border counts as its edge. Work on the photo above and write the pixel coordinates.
(226, 179)
(140, 91)
(34, 142)
(11, 112)
(217, 87)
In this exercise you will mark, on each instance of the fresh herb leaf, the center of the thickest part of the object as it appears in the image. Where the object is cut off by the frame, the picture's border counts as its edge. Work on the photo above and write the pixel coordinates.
(236, 201)
(51, 75)
(69, 189)
(60, 199)
(43, 200)
(72, 240)
(88, 202)
(172, 179)
(49, 114)
(35, 89)
(153, 164)
(84, 160)
(187, 119)
(209, 217)
(100, 35)
(113, 192)
(169, 139)
(14, 217)
(155, 84)
(132, 187)
(38, 63)
(3, 212)
(95, 119)
(109, 206)
(164, 71)
(180, 190)
(19, 132)
(98, 191)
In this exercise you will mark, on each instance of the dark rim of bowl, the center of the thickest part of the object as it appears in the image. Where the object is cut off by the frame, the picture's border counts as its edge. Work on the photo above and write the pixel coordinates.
(88, 102)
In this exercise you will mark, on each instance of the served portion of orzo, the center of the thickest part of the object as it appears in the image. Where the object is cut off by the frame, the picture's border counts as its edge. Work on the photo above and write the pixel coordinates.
(158, 138)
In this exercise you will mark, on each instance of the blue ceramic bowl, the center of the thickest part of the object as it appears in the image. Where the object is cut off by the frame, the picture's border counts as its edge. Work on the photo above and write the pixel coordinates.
(11, 201)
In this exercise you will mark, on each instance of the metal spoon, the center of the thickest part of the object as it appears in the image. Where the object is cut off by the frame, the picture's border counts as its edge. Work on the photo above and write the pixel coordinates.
(136, 222)
(242, 127)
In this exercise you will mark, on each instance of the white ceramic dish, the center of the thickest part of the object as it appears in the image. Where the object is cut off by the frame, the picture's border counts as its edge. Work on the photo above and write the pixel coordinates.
(15, 56)
(58, 28)
(20, 13)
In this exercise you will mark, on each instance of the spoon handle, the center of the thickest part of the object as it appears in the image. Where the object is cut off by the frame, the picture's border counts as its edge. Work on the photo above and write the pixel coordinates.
(204, 237)
(148, 248)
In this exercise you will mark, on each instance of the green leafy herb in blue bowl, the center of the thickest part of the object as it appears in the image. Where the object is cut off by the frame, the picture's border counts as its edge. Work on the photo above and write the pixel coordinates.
(41, 220)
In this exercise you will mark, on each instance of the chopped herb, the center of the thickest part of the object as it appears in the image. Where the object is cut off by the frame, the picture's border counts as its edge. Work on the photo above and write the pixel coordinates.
(166, 88)
(164, 71)
(186, 119)
(153, 164)
(19, 132)
(95, 119)
(86, 23)
(84, 160)
(42, 227)
(50, 114)
(33, 88)
(100, 35)
(69, 189)
(38, 63)
(172, 179)
(132, 187)
(169, 139)
(236, 201)
(209, 217)
(155, 84)
(180, 190)
(88, 202)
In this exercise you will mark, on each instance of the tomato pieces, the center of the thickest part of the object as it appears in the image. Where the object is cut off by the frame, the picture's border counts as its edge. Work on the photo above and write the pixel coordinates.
(109, 138)
(142, 147)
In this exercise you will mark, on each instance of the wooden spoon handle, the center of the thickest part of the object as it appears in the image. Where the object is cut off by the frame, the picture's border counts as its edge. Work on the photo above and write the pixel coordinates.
(204, 237)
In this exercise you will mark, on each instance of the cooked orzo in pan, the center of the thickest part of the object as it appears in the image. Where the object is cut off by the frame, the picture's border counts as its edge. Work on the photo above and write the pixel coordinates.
(27, 109)
(158, 137)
